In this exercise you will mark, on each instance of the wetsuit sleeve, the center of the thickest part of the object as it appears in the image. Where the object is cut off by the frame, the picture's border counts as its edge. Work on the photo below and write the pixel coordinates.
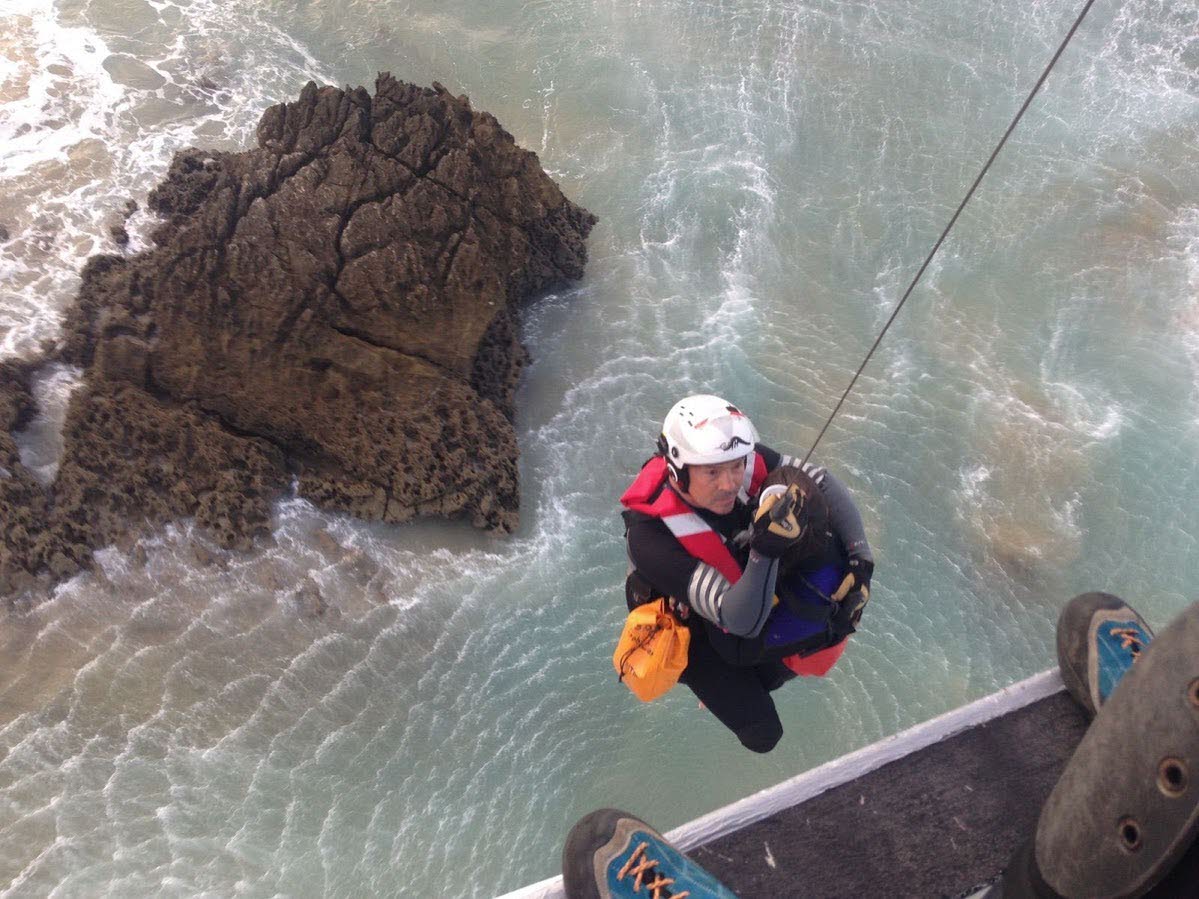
(740, 608)
(842, 511)
(843, 514)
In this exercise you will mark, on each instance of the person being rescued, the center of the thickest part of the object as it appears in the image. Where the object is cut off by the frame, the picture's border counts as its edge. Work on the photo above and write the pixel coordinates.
(765, 561)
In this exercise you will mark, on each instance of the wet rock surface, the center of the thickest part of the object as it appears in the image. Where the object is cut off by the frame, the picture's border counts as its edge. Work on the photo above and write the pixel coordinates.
(336, 309)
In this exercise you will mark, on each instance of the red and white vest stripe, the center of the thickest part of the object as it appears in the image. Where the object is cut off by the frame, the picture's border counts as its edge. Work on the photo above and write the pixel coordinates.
(688, 527)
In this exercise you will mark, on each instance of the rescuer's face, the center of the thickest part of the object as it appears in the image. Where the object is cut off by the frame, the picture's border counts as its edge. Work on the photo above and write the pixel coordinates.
(715, 487)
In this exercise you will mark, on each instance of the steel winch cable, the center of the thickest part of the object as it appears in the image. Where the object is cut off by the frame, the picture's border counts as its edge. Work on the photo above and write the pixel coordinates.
(940, 240)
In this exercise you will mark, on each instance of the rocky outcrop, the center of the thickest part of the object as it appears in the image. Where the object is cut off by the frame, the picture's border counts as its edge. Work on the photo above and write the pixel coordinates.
(335, 309)
(22, 499)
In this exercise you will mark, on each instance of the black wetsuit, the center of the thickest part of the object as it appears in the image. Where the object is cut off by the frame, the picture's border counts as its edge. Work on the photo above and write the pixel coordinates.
(738, 695)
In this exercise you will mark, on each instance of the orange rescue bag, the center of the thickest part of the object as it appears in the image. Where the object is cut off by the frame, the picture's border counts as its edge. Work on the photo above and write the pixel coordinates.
(652, 650)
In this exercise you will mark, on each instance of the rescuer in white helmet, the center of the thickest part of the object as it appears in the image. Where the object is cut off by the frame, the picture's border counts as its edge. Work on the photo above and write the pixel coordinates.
(708, 520)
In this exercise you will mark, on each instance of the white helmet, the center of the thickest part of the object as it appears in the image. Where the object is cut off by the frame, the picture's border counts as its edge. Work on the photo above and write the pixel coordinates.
(705, 430)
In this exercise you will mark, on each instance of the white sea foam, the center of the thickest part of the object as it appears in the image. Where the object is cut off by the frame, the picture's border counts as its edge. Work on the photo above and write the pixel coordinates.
(972, 479)
(1099, 418)
(55, 115)
(75, 144)
(40, 444)
(56, 92)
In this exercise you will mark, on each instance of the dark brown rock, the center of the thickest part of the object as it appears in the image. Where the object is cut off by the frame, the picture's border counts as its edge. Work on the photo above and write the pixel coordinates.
(22, 499)
(309, 601)
(203, 555)
(16, 402)
(338, 306)
(328, 544)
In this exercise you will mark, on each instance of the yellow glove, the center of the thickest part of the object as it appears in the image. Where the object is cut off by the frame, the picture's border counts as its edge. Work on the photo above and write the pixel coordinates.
(776, 526)
(851, 595)
(853, 592)
(858, 578)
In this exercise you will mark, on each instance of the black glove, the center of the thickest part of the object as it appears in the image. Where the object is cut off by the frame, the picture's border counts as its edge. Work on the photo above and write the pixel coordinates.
(680, 610)
(776, 526)
(849, 612)
(862, 570)
(852, 594)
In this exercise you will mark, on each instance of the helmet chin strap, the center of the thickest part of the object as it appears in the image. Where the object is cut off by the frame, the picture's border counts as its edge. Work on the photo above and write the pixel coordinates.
(680, 477)
(678, 473)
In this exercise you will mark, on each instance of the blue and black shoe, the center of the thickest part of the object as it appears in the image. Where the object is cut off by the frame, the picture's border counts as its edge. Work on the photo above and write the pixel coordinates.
(610, 854)
(1099, 639)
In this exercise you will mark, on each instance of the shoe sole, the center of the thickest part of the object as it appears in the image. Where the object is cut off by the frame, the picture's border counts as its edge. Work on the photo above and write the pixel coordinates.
(1127, 804)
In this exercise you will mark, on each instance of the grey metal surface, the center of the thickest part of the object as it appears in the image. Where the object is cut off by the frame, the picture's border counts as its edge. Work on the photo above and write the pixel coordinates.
(939, 822)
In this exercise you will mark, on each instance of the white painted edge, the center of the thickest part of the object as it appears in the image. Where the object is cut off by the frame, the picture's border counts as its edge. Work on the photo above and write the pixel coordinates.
(543, 889)
(804, 786)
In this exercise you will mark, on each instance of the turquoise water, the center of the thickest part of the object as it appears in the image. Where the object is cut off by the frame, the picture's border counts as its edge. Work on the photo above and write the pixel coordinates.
(768, 177)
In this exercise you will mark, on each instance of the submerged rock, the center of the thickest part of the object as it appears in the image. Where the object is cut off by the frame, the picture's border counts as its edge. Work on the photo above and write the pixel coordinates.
(309, 602)
(336, 308)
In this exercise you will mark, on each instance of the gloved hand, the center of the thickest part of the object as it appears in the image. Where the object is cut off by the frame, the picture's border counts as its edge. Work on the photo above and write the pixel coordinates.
(862, 570)
(849, 611)
(853, 593)
(776, 526)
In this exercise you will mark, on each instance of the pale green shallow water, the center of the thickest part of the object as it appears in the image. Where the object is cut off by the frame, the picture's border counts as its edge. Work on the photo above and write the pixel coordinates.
(768, 176)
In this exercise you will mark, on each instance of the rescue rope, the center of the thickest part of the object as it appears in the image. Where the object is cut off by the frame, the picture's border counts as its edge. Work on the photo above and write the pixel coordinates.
(970, 193)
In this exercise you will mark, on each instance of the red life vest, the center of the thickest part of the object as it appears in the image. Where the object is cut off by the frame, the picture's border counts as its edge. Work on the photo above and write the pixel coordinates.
(651, 495)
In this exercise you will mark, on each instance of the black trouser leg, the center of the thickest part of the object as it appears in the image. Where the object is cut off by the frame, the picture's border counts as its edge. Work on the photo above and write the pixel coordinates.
(774, 674)
(739, 697)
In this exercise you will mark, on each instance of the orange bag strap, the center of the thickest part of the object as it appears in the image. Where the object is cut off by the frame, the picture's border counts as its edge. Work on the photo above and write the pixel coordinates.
(649, 635)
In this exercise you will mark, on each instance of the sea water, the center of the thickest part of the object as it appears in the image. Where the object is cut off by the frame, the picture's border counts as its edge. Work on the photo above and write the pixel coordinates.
(768, 177)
